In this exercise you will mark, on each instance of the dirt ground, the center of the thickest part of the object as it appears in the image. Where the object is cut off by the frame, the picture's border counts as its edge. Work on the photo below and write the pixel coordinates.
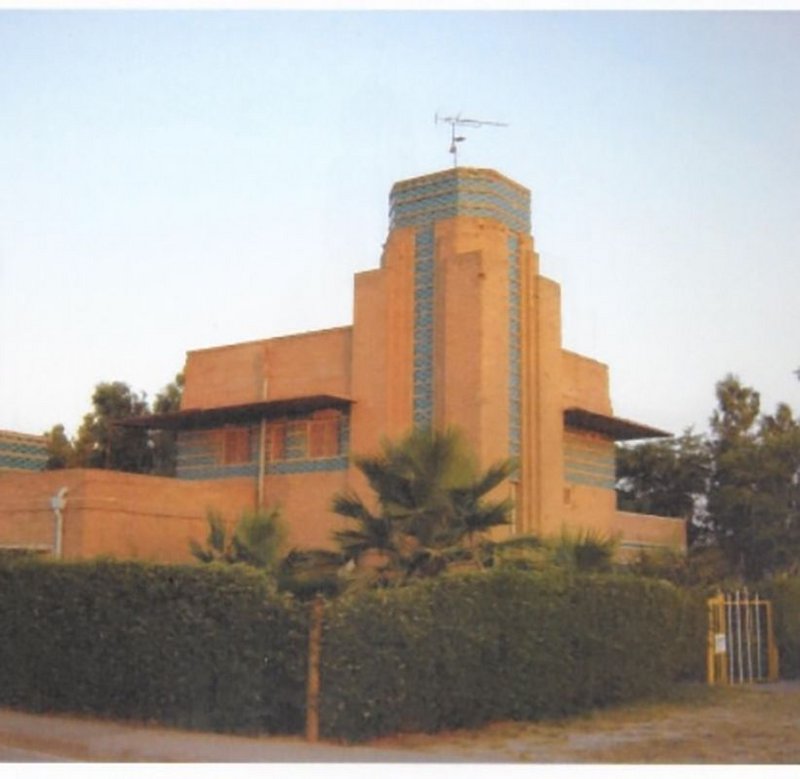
(744, 725)
(758, 724)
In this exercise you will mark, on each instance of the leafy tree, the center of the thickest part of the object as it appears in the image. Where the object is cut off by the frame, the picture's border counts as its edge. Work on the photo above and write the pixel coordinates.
(432, 504)
(60, 452)
(256, 540)
(739, 486)
(165, 442)
(100, 443)
(668, 478)
(754, 494)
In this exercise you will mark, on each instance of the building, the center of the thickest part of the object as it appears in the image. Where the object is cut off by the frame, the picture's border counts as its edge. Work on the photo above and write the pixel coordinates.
(455, 327)
(22, 452)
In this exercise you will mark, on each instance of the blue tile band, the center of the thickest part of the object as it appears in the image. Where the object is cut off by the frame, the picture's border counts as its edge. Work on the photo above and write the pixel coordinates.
(21, 452)
(514, 349)
(460, 192)
(423, 327)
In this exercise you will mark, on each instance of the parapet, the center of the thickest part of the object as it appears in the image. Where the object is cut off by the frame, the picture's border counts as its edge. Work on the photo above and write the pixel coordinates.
(475, 192)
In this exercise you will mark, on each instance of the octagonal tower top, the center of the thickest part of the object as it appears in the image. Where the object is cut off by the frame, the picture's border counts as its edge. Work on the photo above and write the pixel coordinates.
(480, 192)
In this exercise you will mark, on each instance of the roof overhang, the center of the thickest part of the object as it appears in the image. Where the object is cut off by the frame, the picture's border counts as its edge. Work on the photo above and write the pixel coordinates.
(611, 427)
(194, 418)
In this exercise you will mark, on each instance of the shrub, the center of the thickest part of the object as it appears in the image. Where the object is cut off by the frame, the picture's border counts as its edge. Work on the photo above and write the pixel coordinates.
(464, 650)
(194, 646)
(785, 595)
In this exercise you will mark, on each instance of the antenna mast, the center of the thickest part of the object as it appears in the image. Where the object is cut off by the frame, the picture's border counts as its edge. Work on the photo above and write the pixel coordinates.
(460, 121)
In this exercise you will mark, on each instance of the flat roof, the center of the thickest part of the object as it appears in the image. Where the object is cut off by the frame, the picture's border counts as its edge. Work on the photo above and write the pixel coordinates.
(191, 418)
(612, 427)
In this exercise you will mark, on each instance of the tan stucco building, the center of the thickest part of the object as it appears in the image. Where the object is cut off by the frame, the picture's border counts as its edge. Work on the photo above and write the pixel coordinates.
(455, 327)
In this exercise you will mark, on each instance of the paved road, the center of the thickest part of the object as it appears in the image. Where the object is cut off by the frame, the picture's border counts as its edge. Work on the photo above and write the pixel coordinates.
(741, 726)
(32, 738)
(14, 755)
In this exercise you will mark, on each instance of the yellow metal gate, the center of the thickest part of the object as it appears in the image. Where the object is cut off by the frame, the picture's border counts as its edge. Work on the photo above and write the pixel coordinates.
(741, 641)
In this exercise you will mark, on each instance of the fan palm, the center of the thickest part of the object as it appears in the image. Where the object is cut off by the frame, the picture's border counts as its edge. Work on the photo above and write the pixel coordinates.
(431, 498)
(256, 540)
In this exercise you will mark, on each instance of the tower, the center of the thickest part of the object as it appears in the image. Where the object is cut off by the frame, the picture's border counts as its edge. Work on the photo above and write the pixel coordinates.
(457, 328)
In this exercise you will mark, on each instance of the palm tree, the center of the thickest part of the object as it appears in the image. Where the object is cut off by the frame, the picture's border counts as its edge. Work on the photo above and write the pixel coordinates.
(431, 500)
(256, 540)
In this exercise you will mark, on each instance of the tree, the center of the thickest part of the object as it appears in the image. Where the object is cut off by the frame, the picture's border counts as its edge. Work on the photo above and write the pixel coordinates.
(256, 540)
(739, 486)
(668, 478)
(60, 452)
(432, 504)
(165, 442)
(754, 491)
(101, 444)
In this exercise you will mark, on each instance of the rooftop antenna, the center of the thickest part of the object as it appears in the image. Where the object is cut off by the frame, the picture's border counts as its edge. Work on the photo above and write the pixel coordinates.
(461, 121)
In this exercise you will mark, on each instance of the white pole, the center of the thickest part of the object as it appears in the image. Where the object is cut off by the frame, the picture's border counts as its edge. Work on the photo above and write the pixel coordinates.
(759, 662)
(729, 640)
(262, 444)
(739, 636)
(58, 503)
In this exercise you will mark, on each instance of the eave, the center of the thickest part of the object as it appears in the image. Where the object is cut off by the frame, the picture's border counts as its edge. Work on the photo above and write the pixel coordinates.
(203, 418)
(615, 428)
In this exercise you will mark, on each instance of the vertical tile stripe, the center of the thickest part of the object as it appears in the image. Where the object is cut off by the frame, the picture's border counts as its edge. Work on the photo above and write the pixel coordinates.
(514, 348)
(423, 327)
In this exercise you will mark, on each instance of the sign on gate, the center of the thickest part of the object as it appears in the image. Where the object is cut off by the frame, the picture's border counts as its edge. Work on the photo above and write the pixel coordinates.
(741, 642)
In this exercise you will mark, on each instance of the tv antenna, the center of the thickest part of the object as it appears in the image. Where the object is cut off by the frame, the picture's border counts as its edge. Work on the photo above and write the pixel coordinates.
(460, 121)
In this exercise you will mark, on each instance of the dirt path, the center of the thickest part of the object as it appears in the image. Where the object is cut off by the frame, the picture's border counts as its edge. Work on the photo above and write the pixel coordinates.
(752, 725)
(743, 725)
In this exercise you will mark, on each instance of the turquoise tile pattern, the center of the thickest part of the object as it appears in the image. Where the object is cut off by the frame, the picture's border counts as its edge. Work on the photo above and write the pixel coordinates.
(199, 453)
(460, 192)
(589, 463)
(421, 202)
(514, 349)
(423, 328)
(22, 452)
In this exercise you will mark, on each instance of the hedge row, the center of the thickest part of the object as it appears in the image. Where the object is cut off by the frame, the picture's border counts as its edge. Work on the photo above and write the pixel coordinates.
(198, 647)
(785, 596)
(462, 651)
(215, 648)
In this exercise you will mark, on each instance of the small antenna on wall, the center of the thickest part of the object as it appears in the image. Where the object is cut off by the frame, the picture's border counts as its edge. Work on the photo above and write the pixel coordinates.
(460, 121)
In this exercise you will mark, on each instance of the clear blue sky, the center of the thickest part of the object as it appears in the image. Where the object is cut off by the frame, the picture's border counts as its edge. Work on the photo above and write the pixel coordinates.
(175, 180)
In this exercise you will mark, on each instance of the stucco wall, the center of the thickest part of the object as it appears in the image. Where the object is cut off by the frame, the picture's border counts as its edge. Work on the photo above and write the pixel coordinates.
(585, 383)
(116, 514)
(314, 363)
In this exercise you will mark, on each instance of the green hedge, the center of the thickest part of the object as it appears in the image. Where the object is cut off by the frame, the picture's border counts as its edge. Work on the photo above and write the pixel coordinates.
(212, 647)
(784, 593)
(465, 650)
(199, 647)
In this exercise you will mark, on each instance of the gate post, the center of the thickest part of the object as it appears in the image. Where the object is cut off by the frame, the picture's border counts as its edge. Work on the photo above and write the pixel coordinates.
(772, 648)
(717, 649)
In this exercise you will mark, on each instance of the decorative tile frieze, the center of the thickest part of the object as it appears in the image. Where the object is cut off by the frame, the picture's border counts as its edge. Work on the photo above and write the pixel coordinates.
(514, 349)
(460, 192)
(22, 452)
(201, 456)
(423, 327)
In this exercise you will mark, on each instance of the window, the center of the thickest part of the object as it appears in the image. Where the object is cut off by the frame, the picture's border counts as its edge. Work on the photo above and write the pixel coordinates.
(276, 441)
(235, 445)
(296, 440)
(324, 436)
(301, 439)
